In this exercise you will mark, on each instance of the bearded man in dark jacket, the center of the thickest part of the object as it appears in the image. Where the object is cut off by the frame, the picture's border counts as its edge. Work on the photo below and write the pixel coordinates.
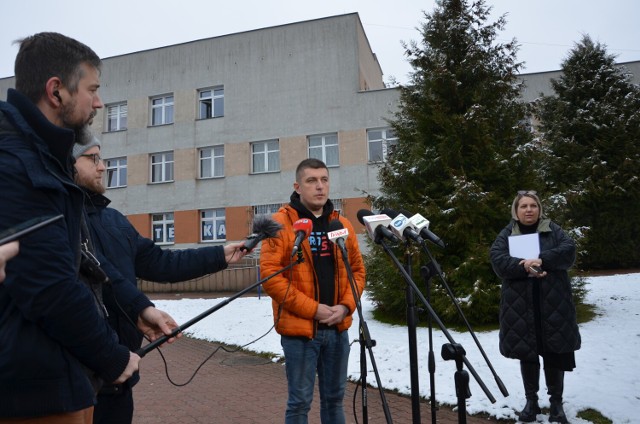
(537, 314)
(131, 256)
(54, 339)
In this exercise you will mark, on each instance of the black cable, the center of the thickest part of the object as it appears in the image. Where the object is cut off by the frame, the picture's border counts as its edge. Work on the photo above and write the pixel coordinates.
(166, 366)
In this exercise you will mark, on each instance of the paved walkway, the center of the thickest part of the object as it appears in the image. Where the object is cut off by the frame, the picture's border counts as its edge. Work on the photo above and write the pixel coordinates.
(242, 388)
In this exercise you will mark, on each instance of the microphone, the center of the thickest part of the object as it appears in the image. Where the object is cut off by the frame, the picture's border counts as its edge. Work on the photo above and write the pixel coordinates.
(402, 227)
(337, 234)
(421, 224)
(376, 226)
(303, 228)
(263, 228)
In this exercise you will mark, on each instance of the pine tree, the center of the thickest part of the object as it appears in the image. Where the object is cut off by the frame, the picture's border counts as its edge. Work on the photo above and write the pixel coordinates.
(463, 151)
(591, 127)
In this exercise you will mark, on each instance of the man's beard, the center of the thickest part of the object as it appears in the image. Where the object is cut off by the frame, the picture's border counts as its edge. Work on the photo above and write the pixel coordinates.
(90, 184)
(83, 135)
(81, 129)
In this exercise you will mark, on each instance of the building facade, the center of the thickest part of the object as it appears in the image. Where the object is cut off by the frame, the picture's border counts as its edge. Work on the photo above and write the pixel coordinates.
(200, 137)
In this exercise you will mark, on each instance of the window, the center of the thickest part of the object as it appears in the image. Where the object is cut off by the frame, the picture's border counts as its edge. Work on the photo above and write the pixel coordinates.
(162, 167)
(381, 143)
(116, 172)
(212, 225)
(212, 162)
(265, 156)
(117, 117)
(162, 110)
(211, 103)
(325, 148)
(267, 209)
(337, 205)
(162, 229)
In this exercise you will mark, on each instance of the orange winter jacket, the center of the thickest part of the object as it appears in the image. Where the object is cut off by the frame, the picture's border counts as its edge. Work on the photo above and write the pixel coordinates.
(297, 288)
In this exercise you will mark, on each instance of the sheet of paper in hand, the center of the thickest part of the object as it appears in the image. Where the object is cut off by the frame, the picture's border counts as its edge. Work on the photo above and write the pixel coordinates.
(526, 246)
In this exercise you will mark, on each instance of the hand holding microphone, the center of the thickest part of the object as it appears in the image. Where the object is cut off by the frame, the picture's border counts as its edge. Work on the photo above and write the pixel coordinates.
(263, 228)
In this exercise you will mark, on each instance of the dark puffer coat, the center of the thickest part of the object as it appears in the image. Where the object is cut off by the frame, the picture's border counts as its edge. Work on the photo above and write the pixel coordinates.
(558, 314)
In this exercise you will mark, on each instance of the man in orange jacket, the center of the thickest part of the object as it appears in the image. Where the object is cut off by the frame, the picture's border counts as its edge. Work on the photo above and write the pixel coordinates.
(313, 301)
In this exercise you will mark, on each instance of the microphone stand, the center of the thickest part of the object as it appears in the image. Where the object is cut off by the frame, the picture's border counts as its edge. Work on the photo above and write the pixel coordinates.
(435, 317)
(426, 276)
(161, 340)
(413, 344)
(453, 351)
(435, 269)
(365, 343)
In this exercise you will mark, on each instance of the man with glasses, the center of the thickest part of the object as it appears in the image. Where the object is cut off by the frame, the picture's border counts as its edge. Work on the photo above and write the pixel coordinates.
(131, 256)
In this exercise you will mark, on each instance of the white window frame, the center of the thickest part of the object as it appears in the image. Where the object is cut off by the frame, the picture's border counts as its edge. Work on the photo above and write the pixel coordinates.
(163, 228)
(264, 154)
(165, 106)
(217, 221)
(162, 162)
(207, 158)
(325, 145)
(116, 172)
(388, 138)
(116, 117)
(211, 102)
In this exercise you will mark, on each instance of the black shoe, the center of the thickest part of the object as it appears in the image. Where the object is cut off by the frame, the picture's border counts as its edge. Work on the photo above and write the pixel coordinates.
(556, 413)
(555, 387)
(529, 412)
(530, 377)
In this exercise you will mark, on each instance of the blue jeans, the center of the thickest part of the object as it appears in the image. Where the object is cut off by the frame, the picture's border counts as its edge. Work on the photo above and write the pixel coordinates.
(328, 354)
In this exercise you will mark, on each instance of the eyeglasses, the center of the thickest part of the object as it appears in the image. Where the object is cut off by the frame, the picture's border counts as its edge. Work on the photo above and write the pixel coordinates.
(95, 157)
(524, 192)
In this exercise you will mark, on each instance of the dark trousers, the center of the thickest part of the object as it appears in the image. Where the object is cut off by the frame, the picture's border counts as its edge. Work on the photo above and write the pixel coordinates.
(114, 408)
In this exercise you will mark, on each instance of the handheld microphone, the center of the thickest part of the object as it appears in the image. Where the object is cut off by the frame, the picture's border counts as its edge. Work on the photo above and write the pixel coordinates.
(421, 224)
(402, 227)
(337, 234)
(376, 225)
(303, 228)
(263, 228)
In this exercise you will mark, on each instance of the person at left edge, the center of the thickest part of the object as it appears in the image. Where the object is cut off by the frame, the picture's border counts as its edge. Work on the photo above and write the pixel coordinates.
(54, 339)
(133, 256)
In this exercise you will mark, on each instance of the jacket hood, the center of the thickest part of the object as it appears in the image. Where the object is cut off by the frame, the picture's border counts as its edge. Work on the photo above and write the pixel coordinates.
(306, 213)
(34, 123)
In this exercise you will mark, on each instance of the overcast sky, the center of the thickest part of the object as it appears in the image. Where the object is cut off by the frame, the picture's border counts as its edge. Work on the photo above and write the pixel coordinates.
(546, 29)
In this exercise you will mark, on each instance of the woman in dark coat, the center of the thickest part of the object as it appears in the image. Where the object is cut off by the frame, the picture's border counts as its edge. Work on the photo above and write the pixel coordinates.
(537, 314)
